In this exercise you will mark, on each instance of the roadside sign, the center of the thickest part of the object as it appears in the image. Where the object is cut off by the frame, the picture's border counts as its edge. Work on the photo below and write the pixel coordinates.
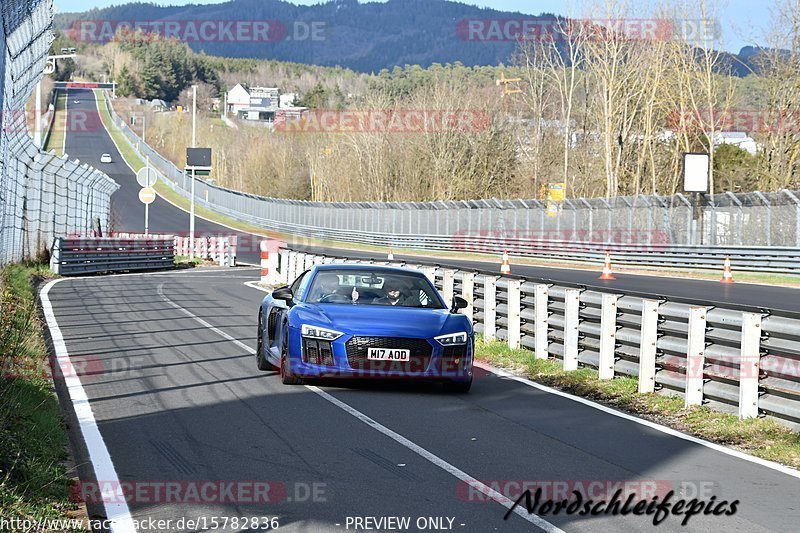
(695, 172)
(557, 191)
(146, 177)
(198, 158)
(147, 195)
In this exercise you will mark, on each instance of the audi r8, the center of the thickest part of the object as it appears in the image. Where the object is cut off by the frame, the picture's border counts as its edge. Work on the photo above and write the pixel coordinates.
(365, 321)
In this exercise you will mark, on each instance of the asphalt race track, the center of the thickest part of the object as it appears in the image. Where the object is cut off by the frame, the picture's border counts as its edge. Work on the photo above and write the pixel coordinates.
(167, 366)
(177, 399)
(165, 218)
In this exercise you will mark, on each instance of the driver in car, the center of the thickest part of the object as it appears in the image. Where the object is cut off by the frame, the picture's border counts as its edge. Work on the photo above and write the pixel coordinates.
(327, 288)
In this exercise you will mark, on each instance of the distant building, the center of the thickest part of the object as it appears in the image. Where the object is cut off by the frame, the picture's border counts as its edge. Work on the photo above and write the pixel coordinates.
(737, 138)
(237, 99)
(287, 100)
(266, 98)
(158, 105)
(253, 103)
(289, 114)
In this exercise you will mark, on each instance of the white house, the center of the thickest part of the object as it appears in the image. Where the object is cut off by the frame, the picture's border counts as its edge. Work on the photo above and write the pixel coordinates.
(238, 99)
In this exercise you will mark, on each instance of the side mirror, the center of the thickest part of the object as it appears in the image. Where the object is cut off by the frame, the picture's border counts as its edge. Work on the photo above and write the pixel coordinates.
(283, 294)
(458, 303)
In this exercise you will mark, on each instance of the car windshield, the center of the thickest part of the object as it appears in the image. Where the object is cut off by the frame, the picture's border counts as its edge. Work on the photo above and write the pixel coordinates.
(373, 288)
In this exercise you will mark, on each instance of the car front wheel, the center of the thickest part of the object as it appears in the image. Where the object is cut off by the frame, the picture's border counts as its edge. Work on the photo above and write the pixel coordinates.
(262, 362)
(287, 378)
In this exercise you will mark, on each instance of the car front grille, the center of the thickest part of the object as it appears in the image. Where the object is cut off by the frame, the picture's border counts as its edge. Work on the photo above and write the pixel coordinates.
(358, 347)
(317, 352)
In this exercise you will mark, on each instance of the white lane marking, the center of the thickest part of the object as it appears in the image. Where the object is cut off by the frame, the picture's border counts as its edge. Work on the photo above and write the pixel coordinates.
(539, 522)
(256, 285)
(544, 525)
(113, 500)
(653, 425)
(205, 324)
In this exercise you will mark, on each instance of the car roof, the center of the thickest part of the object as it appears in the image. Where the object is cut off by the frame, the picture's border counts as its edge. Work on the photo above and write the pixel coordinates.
(371, 268)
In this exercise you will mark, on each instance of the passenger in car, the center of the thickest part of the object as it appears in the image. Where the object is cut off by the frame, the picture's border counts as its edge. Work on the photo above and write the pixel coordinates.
(393, 295)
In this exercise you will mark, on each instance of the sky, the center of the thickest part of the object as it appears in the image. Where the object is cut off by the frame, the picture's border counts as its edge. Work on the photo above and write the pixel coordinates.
(741, 21)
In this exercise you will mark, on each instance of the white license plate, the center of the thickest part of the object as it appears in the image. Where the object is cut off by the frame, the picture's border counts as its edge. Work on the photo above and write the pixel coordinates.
(388, 354)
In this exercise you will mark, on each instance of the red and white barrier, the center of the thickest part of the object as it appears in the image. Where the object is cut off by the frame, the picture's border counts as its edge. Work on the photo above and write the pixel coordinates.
(269, 263)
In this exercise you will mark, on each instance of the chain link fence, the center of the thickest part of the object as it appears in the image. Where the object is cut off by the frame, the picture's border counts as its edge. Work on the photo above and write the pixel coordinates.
(41, 195)
(747, 219)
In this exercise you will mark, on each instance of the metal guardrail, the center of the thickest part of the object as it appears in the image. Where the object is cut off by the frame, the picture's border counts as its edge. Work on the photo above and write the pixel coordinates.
(494, 226)
(742, 361)
(76, 256)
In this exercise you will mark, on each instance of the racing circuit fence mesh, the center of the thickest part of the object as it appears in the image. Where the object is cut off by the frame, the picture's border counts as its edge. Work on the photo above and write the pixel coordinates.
(745, 226)
(41, 195)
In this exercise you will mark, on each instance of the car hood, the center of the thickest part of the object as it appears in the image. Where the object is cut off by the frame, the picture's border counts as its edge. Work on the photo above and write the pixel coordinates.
(379, 320)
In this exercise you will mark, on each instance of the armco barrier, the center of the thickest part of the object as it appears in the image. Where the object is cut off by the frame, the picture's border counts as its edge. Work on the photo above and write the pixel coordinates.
(77, 256)
(759, 231)
(737, 360)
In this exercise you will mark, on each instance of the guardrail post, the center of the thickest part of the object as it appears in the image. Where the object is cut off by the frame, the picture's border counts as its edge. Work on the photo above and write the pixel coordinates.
(695, 356)
(284, 270)
(293, 263)
(489, 308)
(647, 346)
(541, 293)
(608, 336)
(749, 364)
(468, 293)
(309, 261)
(572, 304)
(448, 282)
(430, 273)
(55, 256)
(514, 308)
(233, 249)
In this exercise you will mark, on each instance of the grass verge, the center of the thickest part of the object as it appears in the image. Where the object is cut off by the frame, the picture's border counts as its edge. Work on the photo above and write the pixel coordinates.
(760, 437)
(57, 134)
(34, 484)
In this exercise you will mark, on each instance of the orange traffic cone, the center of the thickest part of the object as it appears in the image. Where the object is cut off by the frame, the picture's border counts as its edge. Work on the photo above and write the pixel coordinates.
(607, 272)
(505, 267)
(390, 257)
(727, 273)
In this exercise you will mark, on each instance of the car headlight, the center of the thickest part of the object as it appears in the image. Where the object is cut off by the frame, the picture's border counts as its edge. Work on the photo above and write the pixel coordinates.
(316, 332)
(453, 339)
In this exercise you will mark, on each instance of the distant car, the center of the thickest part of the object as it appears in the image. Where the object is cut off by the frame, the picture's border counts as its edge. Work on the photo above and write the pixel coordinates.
(105, 158)
(77, 101)
(365, 321)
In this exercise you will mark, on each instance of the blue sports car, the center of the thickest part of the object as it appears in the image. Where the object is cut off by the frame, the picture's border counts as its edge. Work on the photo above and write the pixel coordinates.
(365, 321)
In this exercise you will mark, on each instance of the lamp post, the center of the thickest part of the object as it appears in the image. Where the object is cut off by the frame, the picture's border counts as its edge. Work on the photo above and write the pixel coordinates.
(194, 145)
